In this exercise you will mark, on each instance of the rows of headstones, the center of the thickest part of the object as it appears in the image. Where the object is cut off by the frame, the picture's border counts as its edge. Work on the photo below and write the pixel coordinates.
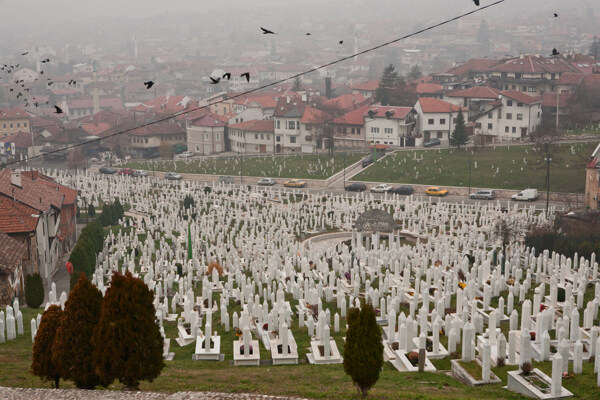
(253, 235)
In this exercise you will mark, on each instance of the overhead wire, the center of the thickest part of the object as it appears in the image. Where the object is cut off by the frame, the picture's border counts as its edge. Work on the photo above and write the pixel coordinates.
(245, 93)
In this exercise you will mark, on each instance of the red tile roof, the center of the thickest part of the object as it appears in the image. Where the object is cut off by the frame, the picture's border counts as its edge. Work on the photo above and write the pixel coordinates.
(431, 105)
(397, 112)
(20, 139)
(32, 193)
(473, 65)
(371, 85)
(294, 108)
(479, 92)
(533, 64)
(11, 254)
(164, 104)
(70, 194)
(16, 217)
(158, 129)
(354, 117)
(346, 101)
(209, 120)
(521, 97)
(549, 100)
(13, 113)
(313, 115)
(255, 126)
(428, 88)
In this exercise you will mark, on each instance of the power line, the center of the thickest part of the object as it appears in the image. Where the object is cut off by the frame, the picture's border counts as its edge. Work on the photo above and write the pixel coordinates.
(329, 64)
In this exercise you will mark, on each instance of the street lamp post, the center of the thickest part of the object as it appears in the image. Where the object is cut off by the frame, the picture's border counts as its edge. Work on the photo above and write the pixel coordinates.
(241, 166)
(470, 162)
(548, 161)
(344, 170)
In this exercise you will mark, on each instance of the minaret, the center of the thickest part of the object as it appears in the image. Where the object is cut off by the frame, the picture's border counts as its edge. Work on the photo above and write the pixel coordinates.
(95, 89)
(135, 47)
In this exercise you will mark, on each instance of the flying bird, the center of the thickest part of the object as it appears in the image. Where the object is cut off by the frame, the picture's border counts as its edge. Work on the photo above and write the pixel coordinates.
(58, 110)
(554, 52)
(17, 66)
(266, 31)
(19, 95)
(42, 72)
(11, 89)
(214, 81)
(149, 84)
(50, 83)
(555, 15)
(308, 34)
(341, 42)
(227, 75)
(46, 60)
(476, 2)
(247, 75)
(24, 54)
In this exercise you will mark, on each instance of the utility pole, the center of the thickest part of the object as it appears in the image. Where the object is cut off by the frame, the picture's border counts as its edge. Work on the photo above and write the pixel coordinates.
(548, 160)
(344, 170)
(470, 162)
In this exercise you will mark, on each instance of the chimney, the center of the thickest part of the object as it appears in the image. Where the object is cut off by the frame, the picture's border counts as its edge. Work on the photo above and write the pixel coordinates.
(521, 56)
(328, 87)
(288, 99)
(15, 178)
(304, 97)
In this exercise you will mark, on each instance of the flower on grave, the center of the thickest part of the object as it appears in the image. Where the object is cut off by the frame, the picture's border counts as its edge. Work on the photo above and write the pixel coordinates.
(442, 331)
(462, 285)
(478, 298)
(542, 307)
(532, 335)
(511, 282)
(377, 311)
(265, 326)
(347, 275)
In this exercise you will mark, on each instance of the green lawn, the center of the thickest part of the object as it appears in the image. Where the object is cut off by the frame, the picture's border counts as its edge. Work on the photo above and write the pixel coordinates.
(501, 167)
(301, 166)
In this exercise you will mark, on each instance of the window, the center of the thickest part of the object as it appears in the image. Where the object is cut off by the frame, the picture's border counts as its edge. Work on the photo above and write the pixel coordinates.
(358, 131)
(278, 138)
(440, 135)
(236, 120)
(18, 124)
(292, 125)
(520, 117)
(256, 136)
(430, 121)
(374, 129)
(514, 129)
(262, 136)
(4, 126)
(298, 125)
(388, 130)
(442, 121)
(465, 102)
(508, 115)
(206, 136)
(278, 124)
(268, 137)
(12, 126)
(509, 103)
(293, 139)
(490, 126)
(531, 89)
(506, 128)
(197, 148)
(519, 104)
(491, 115)
(217, 137)
(352, 131)
(146, 141)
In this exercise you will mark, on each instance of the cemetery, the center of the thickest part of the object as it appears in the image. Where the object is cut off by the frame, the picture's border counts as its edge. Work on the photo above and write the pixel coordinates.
(248, 300)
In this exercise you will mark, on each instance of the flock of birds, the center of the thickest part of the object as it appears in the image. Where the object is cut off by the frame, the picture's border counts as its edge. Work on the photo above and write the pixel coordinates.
(149, 84)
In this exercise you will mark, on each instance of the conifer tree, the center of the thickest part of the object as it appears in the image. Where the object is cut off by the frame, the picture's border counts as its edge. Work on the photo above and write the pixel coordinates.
(41, 363)
(459, 136)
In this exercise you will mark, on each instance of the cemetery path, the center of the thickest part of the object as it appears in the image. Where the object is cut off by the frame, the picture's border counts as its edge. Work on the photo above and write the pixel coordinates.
(71, 394)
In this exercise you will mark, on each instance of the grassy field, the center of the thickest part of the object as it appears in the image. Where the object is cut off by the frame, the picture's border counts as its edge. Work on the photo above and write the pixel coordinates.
(302, 166)
(501, 167)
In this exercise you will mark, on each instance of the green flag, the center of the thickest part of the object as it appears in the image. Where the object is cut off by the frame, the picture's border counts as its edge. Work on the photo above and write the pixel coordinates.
(189, 249)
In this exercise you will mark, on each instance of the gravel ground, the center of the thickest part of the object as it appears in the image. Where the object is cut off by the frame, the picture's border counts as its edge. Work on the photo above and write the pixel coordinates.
(72, 394)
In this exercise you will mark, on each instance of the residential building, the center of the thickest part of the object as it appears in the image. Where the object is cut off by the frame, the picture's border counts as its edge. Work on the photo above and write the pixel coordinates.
(26, 75)
(82, 107)
(366, 89)
(388, 125)
(145, 142)
(14, 120)
(286, 118)
(255, 136)
(473, 100)
(11, 269)
(350, 129)
(22, 144)
(206, 135)
(592, 181)
(435, 118)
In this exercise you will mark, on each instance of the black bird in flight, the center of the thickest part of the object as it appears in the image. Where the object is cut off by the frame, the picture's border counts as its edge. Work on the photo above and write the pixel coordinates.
(555, 15)
(50, 83)
(341, 42)
(42, 72)
(27, 89)
(19, 95)
(227, 75)
(266, 31)
(476, 2)
(46, 60)
(11, 89)
(17, 66)
(554, 53)
(308, 34)
(24, 54)
(58, 110)
(214, 81)
(149, 84)
(247, 75)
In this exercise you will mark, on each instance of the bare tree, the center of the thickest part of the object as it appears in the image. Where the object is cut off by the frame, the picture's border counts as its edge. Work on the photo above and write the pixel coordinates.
(76, 159)
(545, 144)
(165, 150)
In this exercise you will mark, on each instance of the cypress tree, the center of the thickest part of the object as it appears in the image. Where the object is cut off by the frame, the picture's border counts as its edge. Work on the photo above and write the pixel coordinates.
(41, 363)
(91, 210)
(363, 350)
(127, 341)
(459, 136)
(34, 290)
(105, 217)
(72, 349)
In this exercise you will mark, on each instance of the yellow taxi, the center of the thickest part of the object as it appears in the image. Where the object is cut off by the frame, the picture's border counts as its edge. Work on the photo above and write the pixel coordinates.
(295, 183)
(436, 191)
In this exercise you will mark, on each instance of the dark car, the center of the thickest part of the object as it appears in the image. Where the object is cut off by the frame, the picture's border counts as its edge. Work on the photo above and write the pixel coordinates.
(107, 170)
(432, 142)
(367, 161)
(356, 187)
(404, 189)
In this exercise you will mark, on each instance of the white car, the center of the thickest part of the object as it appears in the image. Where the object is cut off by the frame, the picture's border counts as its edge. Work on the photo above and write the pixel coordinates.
(267, 182)
(185, 154)
(381, 188)
(173, 176)
(140, 172)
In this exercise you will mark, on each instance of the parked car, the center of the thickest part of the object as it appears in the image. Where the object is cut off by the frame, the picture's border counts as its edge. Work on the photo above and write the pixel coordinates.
(107, 170)
(483, 195)
(173, 176)
(126, 171)
(295, 183)
(381, 188)
(356, 187)
(436, 191)
(266, 182)
(185, 154)
(432, 142)
(526, 195)
(367, 161)
(404, 189)
(140, 172)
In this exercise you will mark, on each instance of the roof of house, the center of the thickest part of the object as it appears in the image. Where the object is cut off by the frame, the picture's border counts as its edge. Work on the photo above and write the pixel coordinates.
(16, 217)
(354, 117)
(533, 64)
(521, 97)
(432, 105)
(20, 139)
(255, 125)
(104, 102)
(570, 78)
(423, 88)
(209, 120)
(479, 92)
(371, 85)
(346, 101)
(70, 194)
(158, 129)
(11, 254)
(473, 65)
(32, 193)
(290, 107)
(549, 100)
(395, 112)
(166, 104)
(13, 113)
(312, 115)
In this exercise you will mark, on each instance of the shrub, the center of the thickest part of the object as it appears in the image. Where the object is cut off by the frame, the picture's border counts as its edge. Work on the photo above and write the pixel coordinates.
(82, 257)
(127, 342)
(34, 290)
(500, 361)
(526, 368)
(363, 350)
(105, 217)
(560, 294)
(91, 210)
(214, 265)
(41, 364)
(207, 189)
(72, 350)
(188, 201)
(119, 210)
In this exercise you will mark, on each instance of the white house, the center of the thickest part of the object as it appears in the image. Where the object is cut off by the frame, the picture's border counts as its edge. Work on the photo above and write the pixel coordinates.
(287, 114)
(473, 100)
(256, 136)
(388, 125)
(206, 135)
(435, 118)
